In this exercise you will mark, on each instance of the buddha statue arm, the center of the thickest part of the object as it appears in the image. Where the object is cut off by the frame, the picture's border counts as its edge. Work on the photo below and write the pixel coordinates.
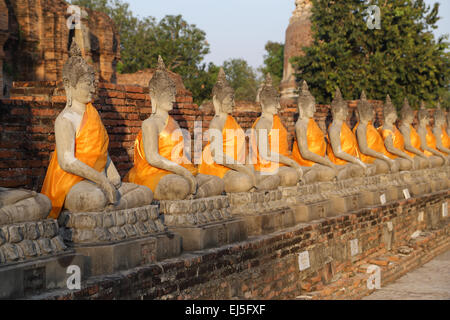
(389, 144)
(65, 144)
(150, 140)
(335, 141)
(112, 173)
(262, 130)
(361, 136)
(437, 133)
(406, 132)
(423, 143)
(301, 132)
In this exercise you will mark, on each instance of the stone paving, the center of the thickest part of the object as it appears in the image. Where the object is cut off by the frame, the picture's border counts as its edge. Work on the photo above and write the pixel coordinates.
(429, 282)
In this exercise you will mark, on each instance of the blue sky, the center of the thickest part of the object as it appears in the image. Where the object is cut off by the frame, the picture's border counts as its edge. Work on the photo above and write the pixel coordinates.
(241, 28)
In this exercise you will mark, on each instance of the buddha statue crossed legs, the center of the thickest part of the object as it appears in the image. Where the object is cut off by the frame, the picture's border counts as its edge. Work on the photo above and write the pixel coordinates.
(370, 143)
(81, 176)
(225, 155)
(159, 159)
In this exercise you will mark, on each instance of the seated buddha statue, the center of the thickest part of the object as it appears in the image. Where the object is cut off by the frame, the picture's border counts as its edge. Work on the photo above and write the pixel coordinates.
(343, 147)
(427, 138)
(370, 143)
(269, 142)
(393, 138)
(411, 137)
(160, 162)
(440, 131)
(225, 154)
(310, 146)
(81, 176)
(18, 205)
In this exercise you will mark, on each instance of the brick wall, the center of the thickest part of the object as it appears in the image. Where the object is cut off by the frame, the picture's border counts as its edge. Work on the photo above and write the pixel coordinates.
(267, 267)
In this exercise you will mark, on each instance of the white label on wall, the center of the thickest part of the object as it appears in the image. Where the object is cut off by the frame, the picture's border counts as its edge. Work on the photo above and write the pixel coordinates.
(390, 226)
(303, 260)
(383, 199)
(406, 194)
(445, 209)
(354, 248)
(421, 216)
(374, 280)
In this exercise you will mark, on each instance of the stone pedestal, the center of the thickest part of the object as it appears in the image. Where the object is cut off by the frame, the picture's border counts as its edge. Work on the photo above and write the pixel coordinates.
(203, 223)
(314, 211)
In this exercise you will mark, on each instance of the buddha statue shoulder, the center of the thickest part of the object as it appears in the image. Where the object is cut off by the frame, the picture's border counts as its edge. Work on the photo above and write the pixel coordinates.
(440, 132)
(370, 143)
(269, 142)
(393, 138)
(428, 139)
(225, 154)
(160, 162)
(81, 176)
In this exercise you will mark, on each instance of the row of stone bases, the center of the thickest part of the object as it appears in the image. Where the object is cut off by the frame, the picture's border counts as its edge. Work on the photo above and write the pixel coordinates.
(34, 257)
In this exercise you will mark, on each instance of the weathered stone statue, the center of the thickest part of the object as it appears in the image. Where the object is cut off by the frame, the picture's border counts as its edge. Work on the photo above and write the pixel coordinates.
(310, 146)
(427, 138)
(225, 154)
(440, 132)
(343, 147)
(81, 176)
(448, 123)
(159, 159)
(269, 144)
(411, 137)
(393, 138)
(370, 143)
(18, 205)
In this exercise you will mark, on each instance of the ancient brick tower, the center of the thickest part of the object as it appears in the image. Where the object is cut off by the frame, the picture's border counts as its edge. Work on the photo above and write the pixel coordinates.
(298, 35)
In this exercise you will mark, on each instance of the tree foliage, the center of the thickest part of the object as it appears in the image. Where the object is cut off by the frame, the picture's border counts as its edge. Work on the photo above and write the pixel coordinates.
(274, 61)
(242, 79)
(402, 58)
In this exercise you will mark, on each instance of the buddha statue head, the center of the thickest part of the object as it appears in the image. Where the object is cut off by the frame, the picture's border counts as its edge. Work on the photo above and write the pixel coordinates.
(423, 115)
(365, 109)
(407, 112)
(389, 112)
(306, 102)
(162, 88)
(439, 116)
(269, 97)
(223, 94)
(339, 107)
(78, 77)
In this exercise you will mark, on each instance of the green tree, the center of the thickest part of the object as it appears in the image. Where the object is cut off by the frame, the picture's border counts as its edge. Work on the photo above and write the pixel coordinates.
(274, 61)
(402, 58)
(242, 79)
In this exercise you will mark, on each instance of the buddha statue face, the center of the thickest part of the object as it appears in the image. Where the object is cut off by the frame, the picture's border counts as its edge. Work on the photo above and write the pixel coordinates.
(423, 115)
(407, 113)
(78, 78)
(339, 107)
(223, 95)
(269, 97)
(365, 109)
(162, 89)
(390, 114)
(306, 103)
(439, 116)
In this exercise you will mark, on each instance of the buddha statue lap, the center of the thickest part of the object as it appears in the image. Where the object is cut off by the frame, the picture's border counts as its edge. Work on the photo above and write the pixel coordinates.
(225, 156)
(370, 143)
(343, 147)
(81, 176)
(159, 159)
(269, 145)
(394, 141)
(427, 138)
(310, 146)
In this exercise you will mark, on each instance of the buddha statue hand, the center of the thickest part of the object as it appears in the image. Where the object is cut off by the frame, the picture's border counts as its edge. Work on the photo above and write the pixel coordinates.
(191, 180)
(249, 170)
(394, 166)
(299, 170)
(110, 191)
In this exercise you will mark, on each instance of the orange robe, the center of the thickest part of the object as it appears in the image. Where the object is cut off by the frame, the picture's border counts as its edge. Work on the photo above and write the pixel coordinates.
(415, 140)
(349, 145)
(432, 142)
(279, 146)
(170, 146)
(397, 138)
(444, 137)
(316, 143)
(374, 142)
(233, 141)
(91, 148)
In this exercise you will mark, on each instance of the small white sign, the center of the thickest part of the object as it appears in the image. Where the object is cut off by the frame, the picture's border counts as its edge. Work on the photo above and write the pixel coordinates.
(390, 226)
(406, 194)
(303, 260)
(421, 216)
(354, 248)
(445, 209)
(374, 280)
(383, 199)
